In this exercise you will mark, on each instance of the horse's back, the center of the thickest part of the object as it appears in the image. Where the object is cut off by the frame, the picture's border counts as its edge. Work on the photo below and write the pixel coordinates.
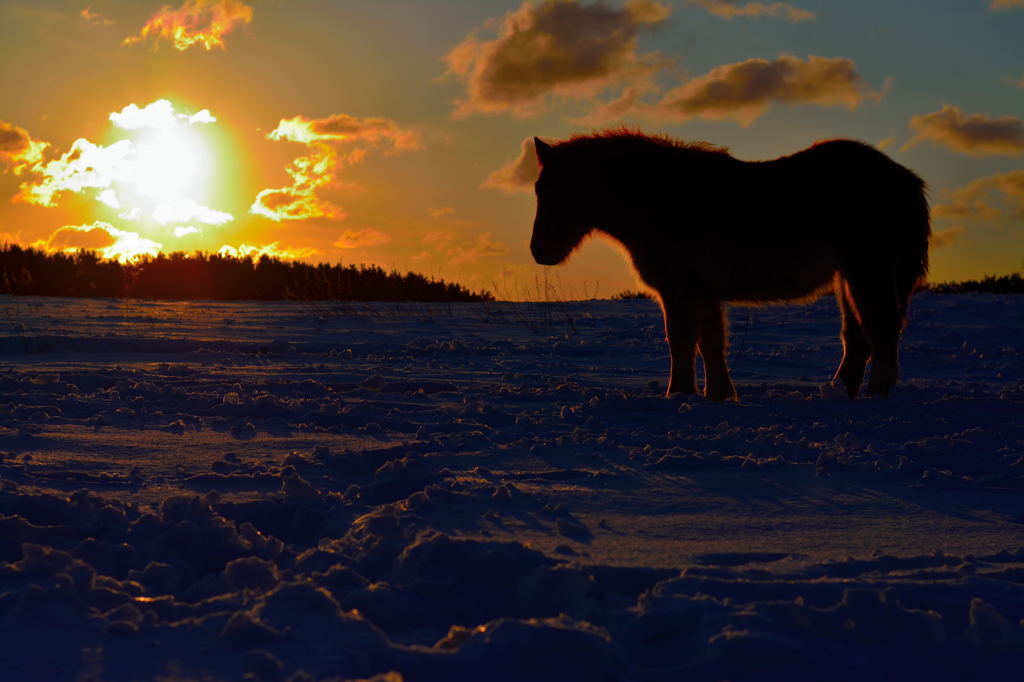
(837, 206)
(877, 208)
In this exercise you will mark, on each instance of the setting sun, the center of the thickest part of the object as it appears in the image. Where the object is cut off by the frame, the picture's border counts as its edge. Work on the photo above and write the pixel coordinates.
(154, 177)
(170, 164)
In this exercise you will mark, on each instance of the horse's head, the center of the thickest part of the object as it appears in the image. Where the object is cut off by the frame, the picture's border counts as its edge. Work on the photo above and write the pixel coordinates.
(562, 208)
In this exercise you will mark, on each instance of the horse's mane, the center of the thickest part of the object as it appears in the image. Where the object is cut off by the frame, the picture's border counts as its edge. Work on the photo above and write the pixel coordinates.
(628, 141)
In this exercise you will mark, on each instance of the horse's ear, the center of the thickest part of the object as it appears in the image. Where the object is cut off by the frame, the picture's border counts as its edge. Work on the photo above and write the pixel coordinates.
(544, 150)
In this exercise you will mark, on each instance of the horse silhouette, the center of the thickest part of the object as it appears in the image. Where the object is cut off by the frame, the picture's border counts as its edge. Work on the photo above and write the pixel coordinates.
(703, 228)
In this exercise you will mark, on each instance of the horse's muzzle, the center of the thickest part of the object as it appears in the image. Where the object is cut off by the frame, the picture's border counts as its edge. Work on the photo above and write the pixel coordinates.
(540, 256)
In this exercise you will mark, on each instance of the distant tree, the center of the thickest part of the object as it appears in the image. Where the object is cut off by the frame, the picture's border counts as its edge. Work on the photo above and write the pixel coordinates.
(201, 275)
(991, 284)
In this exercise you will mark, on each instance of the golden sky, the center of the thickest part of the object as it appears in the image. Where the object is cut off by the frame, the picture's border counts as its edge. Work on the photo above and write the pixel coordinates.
(396, 132)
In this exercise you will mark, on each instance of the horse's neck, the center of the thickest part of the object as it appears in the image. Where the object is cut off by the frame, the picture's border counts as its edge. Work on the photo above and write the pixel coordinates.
(624, 203)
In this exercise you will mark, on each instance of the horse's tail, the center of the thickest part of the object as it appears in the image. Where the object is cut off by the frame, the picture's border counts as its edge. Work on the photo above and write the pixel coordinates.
(912, 267)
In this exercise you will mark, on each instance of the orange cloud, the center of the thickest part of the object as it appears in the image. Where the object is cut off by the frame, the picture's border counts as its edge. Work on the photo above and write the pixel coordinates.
(745, 90)
(18, 151)
(1005, 4)
(272, 250)
(84, 166)
(449, 247)
(358, 239)
(993, 197)
(318, 168)
(483, 247)
(554, 47)
(95, 18)
(976, 134)
(943, 238)
(196, 22)
(103, 237)
(440, 212)
(435, 238)
(729, 9)
(518, 174)
(345, 128)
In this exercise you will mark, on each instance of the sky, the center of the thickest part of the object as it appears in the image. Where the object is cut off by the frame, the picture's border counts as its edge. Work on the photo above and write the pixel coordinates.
(399, 133)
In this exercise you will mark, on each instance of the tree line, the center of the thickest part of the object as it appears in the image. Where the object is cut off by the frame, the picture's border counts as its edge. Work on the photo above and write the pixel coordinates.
(992, 284)
(200, 275)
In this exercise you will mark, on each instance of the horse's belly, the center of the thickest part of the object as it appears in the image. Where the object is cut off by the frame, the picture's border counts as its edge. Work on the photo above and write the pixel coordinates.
(776, 276)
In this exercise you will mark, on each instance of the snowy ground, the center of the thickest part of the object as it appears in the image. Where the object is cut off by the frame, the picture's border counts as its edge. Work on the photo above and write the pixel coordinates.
(199, 491)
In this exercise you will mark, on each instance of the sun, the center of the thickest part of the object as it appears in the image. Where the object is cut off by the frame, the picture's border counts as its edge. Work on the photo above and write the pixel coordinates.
(158, 173)
(170, 164)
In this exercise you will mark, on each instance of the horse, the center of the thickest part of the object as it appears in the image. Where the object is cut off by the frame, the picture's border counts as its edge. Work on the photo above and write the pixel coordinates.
(703, 229)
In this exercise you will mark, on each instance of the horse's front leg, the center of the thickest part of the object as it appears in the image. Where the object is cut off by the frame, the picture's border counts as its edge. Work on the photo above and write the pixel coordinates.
(681, 329)
(711, 344)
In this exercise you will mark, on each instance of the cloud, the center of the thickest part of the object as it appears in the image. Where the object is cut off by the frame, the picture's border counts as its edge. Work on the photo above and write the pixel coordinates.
(158, 115)
(345, 128)
(439, 237)
(975, 134)
(18, 151)
(360, 239)
(518, 174)
(440, 212)
(554, 47)
(184, 210)
(944, 238)
(84, 166)
(95, 18)
(450, 247)
(483, 247)
(319, 166)
(196, 22)
(297, 202)
(103, 237)
(185, 231)
(745, 90)
(1005, 4)
(730, 9)
(272, 250)
(73, 237)
(993, 197)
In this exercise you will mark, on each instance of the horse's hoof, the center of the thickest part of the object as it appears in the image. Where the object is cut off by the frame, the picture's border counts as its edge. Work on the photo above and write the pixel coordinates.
(721, 396)
(834, 390)
(882, 391)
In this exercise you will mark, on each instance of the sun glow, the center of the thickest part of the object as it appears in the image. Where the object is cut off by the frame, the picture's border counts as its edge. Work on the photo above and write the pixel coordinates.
(170, 165)
(150, 181)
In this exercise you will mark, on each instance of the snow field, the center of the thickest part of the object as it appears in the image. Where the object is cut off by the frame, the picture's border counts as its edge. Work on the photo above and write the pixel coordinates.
(500, 491)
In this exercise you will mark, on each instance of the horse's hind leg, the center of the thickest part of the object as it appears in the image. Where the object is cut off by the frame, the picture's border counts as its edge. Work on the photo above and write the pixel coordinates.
(681, 327)
(881, 319)
(855, 346)
(711, 345)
